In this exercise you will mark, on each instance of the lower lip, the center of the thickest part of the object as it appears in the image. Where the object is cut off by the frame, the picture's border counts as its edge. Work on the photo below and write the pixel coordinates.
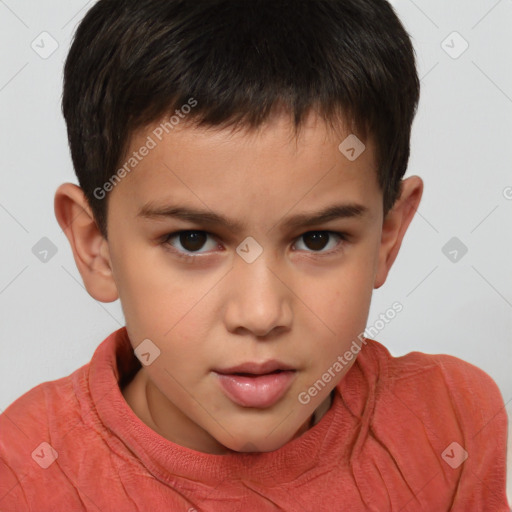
(259, 391)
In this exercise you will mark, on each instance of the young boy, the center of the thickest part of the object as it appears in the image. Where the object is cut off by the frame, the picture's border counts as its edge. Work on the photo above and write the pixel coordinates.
(241, 192)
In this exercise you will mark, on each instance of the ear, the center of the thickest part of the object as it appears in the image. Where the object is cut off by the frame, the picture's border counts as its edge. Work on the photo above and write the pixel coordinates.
(90, 248)
(395, 225)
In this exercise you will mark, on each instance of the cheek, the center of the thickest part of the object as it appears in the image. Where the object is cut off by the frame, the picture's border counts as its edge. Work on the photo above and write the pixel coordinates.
(174, 315)
(155, 294)
(342, 303)
(343, 296)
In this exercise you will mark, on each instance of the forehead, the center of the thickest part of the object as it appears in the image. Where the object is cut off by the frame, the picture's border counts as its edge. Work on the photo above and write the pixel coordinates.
(222, 167)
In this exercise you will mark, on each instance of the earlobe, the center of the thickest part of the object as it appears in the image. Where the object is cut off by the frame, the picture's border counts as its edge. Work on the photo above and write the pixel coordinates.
(90, 249)
(395, 226)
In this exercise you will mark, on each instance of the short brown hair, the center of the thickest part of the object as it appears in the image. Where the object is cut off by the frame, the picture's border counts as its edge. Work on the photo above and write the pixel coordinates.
(132, 62)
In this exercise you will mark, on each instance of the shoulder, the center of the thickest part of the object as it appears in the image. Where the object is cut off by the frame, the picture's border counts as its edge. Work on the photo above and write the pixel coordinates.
(449, 382)
(426, 383)
(53, 436)
(29, 428)
(441, 382)
(35, 411)
(450, 414)
(423, 374)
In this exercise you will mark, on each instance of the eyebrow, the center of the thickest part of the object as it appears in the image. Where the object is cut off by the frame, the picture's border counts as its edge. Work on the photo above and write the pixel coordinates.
(333, 212)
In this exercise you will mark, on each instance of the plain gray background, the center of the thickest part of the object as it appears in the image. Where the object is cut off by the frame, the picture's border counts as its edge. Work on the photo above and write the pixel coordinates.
(454, 303)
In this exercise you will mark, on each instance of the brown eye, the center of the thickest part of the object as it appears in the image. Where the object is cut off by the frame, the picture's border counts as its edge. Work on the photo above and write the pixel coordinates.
(190, 241)
(316, 241)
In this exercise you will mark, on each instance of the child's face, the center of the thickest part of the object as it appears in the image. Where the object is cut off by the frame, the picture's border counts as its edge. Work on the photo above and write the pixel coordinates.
(302, 301)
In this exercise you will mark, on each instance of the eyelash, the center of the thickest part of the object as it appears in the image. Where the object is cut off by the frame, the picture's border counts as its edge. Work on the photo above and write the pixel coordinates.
(193, 257)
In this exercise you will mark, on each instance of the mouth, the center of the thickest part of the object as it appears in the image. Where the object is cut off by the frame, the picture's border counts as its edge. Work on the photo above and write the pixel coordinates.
(257, 385)
(252, 368)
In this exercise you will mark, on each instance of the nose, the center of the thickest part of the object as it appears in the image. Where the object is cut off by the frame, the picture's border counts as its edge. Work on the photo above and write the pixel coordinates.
(258, 298)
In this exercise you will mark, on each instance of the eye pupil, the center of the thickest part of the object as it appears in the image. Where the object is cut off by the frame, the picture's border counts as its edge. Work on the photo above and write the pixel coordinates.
(192, 240)
(319, 239)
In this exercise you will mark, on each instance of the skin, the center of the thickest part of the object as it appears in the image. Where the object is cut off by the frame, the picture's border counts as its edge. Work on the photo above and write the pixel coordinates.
(298, 302)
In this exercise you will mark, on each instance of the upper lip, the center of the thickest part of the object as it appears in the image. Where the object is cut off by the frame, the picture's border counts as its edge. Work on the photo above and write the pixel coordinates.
(256, 368)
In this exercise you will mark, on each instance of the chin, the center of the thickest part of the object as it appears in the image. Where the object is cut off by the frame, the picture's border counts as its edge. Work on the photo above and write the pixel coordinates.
(262, 446)
(261, 430)
(255, 443)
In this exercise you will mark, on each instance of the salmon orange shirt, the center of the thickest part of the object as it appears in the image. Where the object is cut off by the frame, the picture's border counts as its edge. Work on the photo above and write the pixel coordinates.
(413, 433)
